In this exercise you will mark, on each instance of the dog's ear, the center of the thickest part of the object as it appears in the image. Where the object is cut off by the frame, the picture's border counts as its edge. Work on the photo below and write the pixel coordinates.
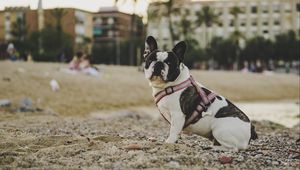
(150, 45)
(179, 50)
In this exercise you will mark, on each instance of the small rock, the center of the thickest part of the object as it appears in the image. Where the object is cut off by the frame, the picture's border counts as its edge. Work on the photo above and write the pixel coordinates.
(275, 163)
(91, 143)
(133, 147)
(26, 105)
(173, 164)
(54, 85)
(225, 159)
(6, 79)
(5, 103)
(152, 139)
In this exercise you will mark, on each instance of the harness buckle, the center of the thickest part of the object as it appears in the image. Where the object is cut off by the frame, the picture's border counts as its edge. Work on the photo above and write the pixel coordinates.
(169, 90)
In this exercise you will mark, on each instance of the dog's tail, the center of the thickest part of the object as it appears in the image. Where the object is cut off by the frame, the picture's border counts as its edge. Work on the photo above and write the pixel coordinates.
(253, 133)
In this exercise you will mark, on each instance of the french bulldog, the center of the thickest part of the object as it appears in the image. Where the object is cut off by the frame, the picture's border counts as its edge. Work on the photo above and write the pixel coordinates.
(188, 105)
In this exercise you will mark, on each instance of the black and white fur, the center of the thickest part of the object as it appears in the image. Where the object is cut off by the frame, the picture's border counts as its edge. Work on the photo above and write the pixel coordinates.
(222, 122)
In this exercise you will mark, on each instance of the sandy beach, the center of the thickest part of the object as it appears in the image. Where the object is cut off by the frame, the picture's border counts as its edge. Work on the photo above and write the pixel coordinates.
(102, 123)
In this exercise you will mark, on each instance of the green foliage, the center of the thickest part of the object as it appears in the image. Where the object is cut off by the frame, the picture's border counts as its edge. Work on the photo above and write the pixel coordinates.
(287, 46)
(54, 44)
(223, 51)
(258, 48)
(194, 53)
(207, 17)
(19, 38)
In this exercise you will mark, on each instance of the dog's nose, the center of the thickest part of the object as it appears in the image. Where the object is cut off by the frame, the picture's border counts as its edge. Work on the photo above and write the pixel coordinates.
(157, 68)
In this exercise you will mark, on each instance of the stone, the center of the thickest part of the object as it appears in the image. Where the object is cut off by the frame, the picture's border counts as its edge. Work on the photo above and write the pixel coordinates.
(5, 103)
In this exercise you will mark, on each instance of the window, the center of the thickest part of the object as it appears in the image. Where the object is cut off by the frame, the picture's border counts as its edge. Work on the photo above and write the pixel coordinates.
(254, 23)
(276, 8)
(265, 31)
(110, 21)
(254, 9)
(243, 24)
(276, 22)
(265, 23)
(298, 7)
(265, 9)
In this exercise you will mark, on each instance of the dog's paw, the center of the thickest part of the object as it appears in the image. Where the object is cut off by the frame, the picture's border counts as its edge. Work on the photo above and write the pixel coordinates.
(170, 140)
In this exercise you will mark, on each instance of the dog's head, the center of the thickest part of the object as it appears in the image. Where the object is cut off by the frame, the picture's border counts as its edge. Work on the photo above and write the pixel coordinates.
(162, 66)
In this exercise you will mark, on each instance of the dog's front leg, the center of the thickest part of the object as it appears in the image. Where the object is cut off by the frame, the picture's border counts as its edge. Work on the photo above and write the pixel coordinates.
(177, 123)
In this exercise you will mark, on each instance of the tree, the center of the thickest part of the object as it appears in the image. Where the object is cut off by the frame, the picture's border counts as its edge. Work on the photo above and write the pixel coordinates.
(236, 36)
(166, 9)
(50, 43)
(19, 36)
(206, 17)
(258, 48)
(58, 14)
(287, 46)
(223, 51)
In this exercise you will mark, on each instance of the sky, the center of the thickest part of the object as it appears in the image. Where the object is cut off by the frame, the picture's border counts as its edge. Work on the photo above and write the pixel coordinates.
(89, 5)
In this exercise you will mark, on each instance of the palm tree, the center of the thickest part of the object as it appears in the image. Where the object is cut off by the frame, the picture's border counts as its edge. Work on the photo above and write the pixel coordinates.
(58, 14)
(235, 11)
(166, 9)
(132, 31)
(206, 17)
(236, 36)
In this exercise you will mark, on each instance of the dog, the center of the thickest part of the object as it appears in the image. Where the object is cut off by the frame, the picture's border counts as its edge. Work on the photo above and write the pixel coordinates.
(187, 104)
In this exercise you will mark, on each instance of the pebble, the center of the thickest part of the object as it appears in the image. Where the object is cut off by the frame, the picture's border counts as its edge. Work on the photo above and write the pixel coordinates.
(173, 164)
(225, 159)
(133, 147)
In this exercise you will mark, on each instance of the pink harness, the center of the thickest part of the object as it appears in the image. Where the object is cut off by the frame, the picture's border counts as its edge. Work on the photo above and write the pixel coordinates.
(202, 106)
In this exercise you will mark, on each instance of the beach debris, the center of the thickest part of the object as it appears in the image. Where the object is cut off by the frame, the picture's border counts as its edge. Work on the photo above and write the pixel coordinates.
(7, 79)
(54, 85)
(26, 105)
(152, 139)
(133, 147)
(173, 164)
(5, 102)
(225, 159)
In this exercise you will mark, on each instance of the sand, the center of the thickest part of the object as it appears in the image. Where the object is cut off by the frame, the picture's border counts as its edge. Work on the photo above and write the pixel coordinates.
(110, 121)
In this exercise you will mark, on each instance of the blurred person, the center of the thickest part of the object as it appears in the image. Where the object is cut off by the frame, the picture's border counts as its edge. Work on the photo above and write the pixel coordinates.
(245, 69)
(74, 64)
(11, 51)
(86, 67)
(259, 67)
(29, 58)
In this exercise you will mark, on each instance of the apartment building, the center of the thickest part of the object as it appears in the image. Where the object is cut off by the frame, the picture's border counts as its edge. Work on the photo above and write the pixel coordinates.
(111, 24)
(266, 18)
(75, 22)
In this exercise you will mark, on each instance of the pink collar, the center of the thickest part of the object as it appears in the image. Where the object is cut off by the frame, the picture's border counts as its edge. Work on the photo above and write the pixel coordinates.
(172, 89)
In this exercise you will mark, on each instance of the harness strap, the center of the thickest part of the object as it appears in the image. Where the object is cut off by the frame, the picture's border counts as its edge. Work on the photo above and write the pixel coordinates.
(197, 114)
(171, 89)
(202, 106)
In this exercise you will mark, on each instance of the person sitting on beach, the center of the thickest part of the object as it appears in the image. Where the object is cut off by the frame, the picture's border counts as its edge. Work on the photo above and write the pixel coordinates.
(74, 64)
(86, 67)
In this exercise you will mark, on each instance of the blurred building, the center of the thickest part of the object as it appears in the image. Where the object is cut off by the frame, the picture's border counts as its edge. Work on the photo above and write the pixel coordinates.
(266, 18)
(75, 22)
(113, 29)
(110, 24)
(8, 17)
